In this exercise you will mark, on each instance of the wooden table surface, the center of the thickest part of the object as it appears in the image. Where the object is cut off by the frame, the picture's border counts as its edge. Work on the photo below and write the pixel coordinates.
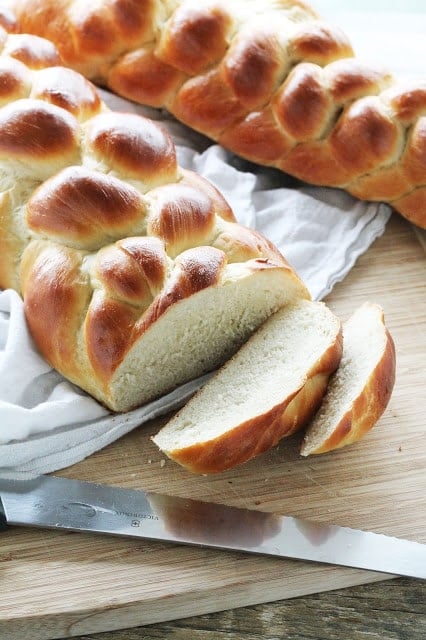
(389, 610)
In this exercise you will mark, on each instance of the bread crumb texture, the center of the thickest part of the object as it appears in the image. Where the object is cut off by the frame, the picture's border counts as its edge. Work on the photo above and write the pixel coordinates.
(359, 391)
(239, 412)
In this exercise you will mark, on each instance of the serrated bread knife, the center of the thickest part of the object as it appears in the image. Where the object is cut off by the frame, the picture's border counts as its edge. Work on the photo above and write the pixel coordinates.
(60, 503)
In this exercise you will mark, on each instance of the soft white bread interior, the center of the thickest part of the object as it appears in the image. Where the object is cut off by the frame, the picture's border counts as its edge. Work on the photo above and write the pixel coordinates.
(359, 391)
(268, 390)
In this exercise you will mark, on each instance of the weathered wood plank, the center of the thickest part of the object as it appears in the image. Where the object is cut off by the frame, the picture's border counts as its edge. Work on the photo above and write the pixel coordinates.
(389, 610)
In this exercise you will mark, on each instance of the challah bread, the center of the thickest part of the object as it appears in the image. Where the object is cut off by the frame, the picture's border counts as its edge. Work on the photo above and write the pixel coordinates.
(8, 20)
(267, 79)
(134, 273)
(269, 389)
(359, 391)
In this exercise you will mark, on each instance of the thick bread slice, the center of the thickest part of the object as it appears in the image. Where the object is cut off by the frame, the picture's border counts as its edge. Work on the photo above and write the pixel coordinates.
(360, 390)
(268, 390)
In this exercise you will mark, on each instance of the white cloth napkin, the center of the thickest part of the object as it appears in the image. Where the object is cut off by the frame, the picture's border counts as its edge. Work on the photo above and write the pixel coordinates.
(47, 424)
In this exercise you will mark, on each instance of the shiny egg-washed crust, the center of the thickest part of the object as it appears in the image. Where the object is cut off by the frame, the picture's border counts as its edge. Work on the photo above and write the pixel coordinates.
(108, 239)
(267, 79)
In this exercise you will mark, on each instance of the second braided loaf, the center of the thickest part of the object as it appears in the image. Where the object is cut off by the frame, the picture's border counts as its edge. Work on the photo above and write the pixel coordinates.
(266, 79)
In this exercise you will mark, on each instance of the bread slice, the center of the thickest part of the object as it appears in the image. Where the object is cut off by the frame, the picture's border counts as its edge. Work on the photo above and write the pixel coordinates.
(268, 390)
(360, 390)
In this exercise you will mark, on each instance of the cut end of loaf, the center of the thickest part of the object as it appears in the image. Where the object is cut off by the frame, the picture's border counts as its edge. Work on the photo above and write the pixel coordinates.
(200, 332)
(360, 390)
(259, 395)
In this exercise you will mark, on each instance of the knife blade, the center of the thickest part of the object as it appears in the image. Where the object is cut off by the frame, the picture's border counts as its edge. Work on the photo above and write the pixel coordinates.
(60, 503)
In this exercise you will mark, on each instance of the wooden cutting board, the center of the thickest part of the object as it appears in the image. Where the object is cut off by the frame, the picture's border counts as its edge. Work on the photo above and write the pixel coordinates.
(55, 584)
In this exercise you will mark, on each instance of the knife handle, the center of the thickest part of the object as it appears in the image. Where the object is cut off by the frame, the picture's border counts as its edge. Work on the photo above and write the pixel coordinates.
(3, 521)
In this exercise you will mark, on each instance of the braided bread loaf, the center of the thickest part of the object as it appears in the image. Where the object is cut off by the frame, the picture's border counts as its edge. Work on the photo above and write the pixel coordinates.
(267, 79)
(134, 273)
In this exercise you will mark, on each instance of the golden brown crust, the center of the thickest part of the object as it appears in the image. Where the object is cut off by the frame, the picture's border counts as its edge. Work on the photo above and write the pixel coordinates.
(67, 89)
(271, 82)
(114, 323)
(258, 137)
(413, 206)
(195, 269)
(305, 403)
(133, 270)
(252, 67)
(197, 104)
(220, 205)
(195, 37)
(349, 79)
(319, 42)
(302, 105)
(84, 208)
(32, 50)
(185, 214)
(8, 20)
(136, 147)
(87, 34)
(180, 216)
(56, 295)
(15, 80)
(241, 244)
(35, 131)
(367, 138)
(141, 76)
(317, 161)
(414, 158)
(109, 327)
